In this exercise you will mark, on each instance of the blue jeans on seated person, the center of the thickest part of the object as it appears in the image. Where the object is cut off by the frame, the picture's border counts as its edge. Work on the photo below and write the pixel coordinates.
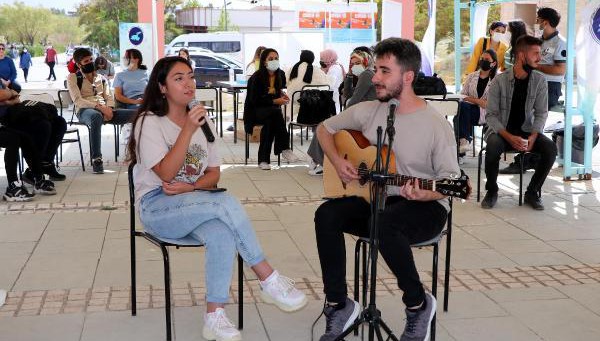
(94, 120)
(464, 122)
(217, 220)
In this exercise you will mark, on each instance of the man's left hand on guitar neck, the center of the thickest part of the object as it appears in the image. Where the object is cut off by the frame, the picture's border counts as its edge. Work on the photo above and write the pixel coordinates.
(411, 190)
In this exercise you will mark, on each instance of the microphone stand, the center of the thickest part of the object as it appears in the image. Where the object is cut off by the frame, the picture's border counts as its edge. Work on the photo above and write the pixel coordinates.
(371, 314)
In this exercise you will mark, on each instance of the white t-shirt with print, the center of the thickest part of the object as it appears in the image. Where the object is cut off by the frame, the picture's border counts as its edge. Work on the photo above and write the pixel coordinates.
(158, 135)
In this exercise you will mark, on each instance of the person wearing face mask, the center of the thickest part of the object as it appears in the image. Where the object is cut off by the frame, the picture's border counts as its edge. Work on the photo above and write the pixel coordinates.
(473, 105)
(130, 84)
(25, 62)
(105, 68)
(263, 106)
(517, 109)
(334, 71)
(495, 42)
(8, 72)
(94, 102)
(361, 68)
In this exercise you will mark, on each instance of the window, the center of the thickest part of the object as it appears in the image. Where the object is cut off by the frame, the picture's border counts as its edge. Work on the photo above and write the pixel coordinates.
(225, 46)
(202, 44)
(179, 44)
(208, 62)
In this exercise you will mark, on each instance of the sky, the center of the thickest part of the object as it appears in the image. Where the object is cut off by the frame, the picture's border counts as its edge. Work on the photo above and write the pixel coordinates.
(67, 5)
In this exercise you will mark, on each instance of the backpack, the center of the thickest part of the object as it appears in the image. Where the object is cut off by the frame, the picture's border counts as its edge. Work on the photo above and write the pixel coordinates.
(315, 106)
(429, 85)
(80, 76)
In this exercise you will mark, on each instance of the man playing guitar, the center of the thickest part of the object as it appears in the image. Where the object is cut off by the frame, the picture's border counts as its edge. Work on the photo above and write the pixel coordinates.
(424, 148)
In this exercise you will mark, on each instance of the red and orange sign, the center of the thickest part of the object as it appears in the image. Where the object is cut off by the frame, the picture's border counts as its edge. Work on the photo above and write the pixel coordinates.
(361, 20)
(339, 20)
(311, 19)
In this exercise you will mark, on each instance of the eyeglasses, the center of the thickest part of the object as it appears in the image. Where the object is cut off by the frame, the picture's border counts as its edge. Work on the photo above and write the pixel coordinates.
(1, 48)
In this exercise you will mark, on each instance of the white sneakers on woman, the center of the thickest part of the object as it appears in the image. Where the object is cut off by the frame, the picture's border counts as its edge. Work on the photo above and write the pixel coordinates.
(276, 289)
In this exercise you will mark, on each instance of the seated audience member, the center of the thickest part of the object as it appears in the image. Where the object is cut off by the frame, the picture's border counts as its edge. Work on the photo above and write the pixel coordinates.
(494, 42)
(472, 107)
(94, 102)
(130, 84)
(175, 162)
(105, 68)
(255, 62)
(517, 109)
(185, 54)
(263, 106)
(301, 74)
(358, 86)
(8, 71)
(41, 122)
(334, 71)
(12, 140)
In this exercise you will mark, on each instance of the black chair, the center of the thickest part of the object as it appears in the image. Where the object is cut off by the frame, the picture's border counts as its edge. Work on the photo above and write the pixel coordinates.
(292, 124)
(247, 150)
(479, 161)
(163, 244)
(362, 243)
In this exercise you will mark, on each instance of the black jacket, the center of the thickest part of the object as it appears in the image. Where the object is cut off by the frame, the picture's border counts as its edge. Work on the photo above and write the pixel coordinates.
(258, 96)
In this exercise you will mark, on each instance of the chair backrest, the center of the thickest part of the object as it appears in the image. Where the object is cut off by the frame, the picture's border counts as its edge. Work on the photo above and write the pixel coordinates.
(43, 97)
(207, 94)
(65, 101)
(319, 105)
(446, 107)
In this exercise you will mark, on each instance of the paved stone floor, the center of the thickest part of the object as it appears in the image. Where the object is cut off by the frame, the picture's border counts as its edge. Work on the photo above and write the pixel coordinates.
(516, 274)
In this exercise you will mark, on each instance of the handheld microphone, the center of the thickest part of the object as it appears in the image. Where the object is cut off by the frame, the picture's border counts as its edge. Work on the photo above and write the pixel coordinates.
(205, 128)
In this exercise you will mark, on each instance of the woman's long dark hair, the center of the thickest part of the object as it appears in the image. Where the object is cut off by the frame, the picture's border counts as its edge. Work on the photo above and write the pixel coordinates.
(263, 73)
(154, 101)
(308, 57)
(135, 53)
(494, 56)
(517, 29)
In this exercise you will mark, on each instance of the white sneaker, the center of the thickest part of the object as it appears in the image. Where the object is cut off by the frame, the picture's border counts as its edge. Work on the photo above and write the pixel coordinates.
(2, 297)
(464, 146)
(289, 156)
(461, 160)
(280, 291)
(264, 166)
(218, 327)
(317, 170)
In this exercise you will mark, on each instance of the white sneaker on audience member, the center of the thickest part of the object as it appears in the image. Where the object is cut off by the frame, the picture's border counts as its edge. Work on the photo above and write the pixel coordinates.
(316, 170)
(289, 156)
(464, 145)
(264, 166)
(280, 291)
(218, 327)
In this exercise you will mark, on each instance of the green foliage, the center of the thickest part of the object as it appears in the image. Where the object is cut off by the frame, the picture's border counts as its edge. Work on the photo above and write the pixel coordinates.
(171, 28)
(192, 4)
(224, 24)
(101, 19)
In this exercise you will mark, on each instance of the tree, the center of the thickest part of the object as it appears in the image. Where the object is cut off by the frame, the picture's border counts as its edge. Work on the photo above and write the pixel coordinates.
(101, 19)
(22, 23)
(224, 23)
(171, 28)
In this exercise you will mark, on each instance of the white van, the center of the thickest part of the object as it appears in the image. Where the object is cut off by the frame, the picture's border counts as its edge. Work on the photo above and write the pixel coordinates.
(227, 43)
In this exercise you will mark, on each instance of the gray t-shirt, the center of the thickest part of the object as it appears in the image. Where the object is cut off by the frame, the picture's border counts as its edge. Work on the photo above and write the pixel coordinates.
(554, 50)
(132, 83)
(158, 135)
(424, 144)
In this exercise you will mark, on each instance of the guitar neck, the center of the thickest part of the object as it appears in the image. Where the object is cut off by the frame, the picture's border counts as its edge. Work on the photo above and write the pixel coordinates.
(400, 180)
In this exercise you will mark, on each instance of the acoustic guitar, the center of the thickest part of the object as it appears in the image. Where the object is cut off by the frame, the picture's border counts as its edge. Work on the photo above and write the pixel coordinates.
(354, 147)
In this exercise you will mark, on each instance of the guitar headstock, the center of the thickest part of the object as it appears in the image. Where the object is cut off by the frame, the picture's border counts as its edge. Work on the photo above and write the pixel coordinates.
(459, 187)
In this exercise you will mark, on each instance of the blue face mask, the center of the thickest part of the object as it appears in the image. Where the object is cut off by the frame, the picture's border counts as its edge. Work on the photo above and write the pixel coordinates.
(273, 65)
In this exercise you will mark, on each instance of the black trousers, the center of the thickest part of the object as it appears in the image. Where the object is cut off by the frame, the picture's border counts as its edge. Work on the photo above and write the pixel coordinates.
(12, 140)
(496, 145)
(42, 123)
(271, 118)
(403, 222)
(52, 74)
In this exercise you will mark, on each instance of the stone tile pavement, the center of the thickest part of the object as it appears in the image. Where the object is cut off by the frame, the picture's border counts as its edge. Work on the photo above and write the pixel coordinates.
(516, 274)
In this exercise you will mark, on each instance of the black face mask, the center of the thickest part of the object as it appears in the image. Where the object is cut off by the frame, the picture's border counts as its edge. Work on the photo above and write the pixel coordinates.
(485, 65)
(88, 68)
(527, 68)
(323, 65)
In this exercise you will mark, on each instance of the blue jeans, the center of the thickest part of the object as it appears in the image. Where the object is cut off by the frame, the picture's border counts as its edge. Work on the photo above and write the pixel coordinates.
(216, 219)
(94, 120)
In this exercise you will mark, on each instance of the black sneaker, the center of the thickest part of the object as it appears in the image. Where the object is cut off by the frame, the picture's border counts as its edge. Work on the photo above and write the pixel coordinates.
(512, 168)
(17, 192)
(50, 170)
(45, 187)
(534, 199)
(489, 200)
(28, 177)
(97, 166)
(230, 128)
(338, 320)
(418, 323)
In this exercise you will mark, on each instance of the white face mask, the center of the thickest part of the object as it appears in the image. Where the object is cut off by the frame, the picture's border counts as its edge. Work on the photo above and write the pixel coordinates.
(125, 62)
(538, 30)
(273, 65)
(497, 36)
(357, 70)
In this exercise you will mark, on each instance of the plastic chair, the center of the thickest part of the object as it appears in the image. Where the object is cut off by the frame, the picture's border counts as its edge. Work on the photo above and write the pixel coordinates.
(362, 243)
(163, 244)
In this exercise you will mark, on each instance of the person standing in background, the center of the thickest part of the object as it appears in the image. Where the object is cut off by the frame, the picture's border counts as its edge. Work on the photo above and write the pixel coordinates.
(8, 72)
(25, 62)
(51, 60)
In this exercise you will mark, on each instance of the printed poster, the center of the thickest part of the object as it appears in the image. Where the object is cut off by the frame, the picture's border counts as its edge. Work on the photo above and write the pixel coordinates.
(308, 19)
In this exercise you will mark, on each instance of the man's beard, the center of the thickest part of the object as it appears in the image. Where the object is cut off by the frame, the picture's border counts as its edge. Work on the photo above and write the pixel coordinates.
(394, 93)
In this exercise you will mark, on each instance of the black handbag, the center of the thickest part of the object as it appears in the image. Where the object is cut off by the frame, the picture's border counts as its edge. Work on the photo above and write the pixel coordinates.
(315, 106)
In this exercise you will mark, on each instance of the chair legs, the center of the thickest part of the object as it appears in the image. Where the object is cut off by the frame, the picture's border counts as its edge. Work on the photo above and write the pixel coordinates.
(479, 162)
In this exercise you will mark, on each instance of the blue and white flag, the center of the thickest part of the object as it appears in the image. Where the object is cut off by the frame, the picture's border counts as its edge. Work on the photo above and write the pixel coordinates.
(428, 43)
(588, 49)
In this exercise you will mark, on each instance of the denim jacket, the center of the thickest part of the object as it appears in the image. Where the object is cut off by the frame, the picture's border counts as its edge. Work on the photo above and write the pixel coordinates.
(500, 98)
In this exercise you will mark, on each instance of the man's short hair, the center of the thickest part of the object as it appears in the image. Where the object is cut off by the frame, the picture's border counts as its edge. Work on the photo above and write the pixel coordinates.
(81, 53)
(549, 14)
(407, 54)
(525, 41)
